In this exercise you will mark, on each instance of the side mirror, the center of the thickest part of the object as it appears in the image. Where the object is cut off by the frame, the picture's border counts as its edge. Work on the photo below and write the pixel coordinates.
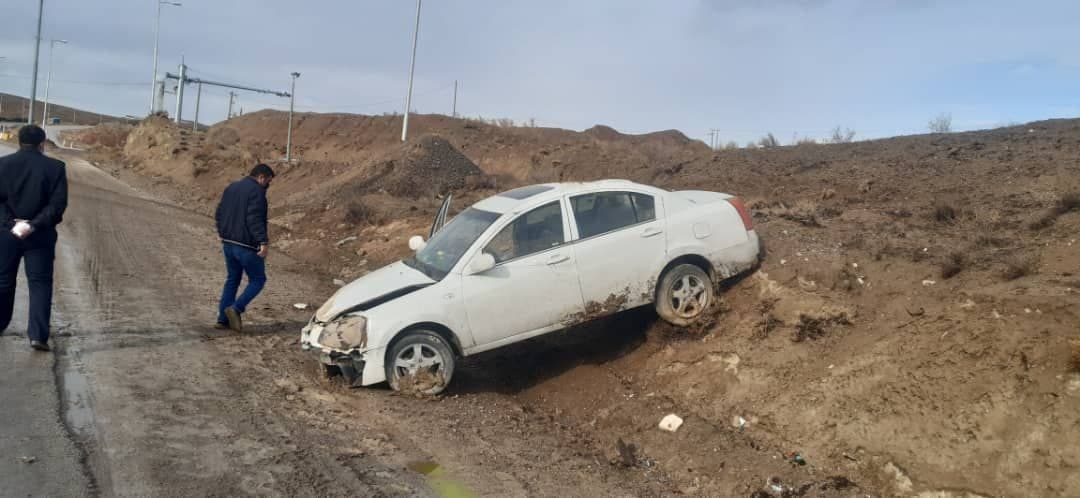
(482, 263)
(416, 243)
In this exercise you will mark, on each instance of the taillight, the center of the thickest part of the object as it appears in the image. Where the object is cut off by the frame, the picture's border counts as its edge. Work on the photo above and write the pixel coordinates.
(744, 213)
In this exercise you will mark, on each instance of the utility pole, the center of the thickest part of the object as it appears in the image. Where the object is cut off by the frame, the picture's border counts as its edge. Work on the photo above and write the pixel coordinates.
(292, 100)
(2, 96)
(157, 27)
(48, 83)
(198, 101)
(232, 98)
(37, 52)
(455, 100)
(412, 69)
(180, 92)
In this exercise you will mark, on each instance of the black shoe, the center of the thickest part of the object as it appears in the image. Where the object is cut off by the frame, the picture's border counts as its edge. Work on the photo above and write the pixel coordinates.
(39, 346)
(235, 322)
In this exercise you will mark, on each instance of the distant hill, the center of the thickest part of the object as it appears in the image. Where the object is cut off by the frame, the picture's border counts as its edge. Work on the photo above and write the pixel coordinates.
(14, 108)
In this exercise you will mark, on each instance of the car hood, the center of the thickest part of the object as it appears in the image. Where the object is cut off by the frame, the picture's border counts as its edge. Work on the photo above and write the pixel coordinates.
(373, 289)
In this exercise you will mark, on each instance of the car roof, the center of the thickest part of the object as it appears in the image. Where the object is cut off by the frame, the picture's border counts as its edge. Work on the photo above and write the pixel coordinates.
(512, 200)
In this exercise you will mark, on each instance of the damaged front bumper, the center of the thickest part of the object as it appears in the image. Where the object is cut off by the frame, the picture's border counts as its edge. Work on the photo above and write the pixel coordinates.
(339, 346)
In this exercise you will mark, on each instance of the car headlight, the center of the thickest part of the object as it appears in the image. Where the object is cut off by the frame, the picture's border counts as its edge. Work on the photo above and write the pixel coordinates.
(345, 333)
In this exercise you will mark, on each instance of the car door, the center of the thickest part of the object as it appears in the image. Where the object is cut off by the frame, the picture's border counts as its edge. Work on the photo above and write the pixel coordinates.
(620, 247)
(533, 287)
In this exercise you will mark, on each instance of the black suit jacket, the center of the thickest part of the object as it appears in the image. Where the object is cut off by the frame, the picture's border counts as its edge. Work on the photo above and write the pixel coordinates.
(33, 188)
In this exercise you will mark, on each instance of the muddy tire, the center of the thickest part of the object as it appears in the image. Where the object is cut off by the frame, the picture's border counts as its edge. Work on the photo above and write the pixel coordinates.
(421, 362)
(684, 294)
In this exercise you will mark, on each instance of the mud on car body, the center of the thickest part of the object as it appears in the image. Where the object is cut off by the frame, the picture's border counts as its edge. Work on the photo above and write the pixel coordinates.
(527, 262)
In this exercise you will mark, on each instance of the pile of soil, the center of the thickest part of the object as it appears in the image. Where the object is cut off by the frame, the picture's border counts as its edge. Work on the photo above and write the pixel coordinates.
(908, 333)
(429, 167)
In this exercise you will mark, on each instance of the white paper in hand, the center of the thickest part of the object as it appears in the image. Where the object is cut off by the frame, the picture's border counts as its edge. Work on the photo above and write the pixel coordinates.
(21, 229)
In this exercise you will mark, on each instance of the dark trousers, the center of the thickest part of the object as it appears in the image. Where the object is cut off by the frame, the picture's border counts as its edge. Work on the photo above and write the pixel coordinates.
(39, 251)
(238, 261)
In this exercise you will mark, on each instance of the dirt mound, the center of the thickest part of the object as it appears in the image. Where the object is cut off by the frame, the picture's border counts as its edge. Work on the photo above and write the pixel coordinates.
(427, 168)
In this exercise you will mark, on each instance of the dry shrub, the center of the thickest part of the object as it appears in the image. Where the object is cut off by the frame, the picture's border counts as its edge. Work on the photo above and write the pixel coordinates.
(945, 213)
(828, 194)
(803, 212)
(359, 213)
(815, 326)
(954, 263)
(1020, 266)
(1074, 358)
(1066, 203)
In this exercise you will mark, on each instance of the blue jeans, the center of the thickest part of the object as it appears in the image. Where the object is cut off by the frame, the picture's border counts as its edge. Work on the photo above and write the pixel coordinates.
(238, 261)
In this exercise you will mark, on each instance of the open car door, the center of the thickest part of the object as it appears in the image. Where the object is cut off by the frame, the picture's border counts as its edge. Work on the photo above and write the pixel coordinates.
(440, 216)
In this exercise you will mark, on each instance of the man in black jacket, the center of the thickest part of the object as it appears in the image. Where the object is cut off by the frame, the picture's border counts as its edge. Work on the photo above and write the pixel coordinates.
(33, 197)
(241, 224)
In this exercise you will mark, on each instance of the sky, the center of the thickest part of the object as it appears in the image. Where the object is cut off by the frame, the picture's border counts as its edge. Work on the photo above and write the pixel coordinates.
(794, 68)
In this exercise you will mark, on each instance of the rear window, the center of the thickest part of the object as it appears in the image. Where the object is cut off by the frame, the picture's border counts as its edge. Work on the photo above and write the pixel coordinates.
(605, 212)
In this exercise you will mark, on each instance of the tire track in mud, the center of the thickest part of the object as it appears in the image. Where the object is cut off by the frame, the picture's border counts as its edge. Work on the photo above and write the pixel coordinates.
(156, 409)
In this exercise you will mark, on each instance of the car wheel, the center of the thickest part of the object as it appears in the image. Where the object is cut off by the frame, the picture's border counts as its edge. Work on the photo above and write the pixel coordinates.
(685, 292)
(421, 362)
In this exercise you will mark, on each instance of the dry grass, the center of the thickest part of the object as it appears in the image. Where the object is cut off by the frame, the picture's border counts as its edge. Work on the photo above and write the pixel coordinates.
(1020, 266)
(988, 241)
(954, 263)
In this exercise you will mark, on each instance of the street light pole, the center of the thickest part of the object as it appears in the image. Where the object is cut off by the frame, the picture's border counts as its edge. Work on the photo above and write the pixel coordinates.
(2, 96)
(157, 27)
(292, 100)
(48, 84)
(412, 68)
(37, 52)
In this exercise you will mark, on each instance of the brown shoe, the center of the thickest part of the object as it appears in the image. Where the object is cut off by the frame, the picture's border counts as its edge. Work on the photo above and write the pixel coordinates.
(221, 326)
(235, 321)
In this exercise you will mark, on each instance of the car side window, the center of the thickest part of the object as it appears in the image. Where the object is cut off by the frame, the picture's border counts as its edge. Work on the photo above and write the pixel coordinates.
(644, 207)
(604, 212)
(535, 231)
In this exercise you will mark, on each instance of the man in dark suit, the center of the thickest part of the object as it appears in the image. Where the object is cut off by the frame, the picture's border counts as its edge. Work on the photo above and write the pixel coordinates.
(33, 197)
(241, 224)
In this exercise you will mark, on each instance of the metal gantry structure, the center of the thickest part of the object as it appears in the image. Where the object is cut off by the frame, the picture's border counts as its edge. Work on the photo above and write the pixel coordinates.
(183, 79)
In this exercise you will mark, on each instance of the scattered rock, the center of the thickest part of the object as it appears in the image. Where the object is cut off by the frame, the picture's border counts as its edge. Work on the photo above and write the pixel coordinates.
(288, 386)
(967, 305)
(928, 283)
(300, 306)
(671, 423)
(346, 240)
(339, 282)
(28, 459)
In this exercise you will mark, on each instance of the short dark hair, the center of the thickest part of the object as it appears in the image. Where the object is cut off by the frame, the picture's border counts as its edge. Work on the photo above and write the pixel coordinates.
(31, 135)
(261, 169)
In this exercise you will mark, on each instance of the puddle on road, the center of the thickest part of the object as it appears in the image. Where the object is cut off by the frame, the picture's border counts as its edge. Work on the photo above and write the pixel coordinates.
(75, 396)
(439, 481)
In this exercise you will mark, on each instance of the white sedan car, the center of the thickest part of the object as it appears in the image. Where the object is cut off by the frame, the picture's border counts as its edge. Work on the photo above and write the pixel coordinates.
(527, 262)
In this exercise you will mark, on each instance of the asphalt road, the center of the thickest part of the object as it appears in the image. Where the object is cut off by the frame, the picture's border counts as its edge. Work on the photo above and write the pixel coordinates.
(37, 455)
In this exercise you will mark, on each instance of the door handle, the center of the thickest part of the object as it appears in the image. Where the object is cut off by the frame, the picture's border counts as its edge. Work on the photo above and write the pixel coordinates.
(558, 258)
(651, 232)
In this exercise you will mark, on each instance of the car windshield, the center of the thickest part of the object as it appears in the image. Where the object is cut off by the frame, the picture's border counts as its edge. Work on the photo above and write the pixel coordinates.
(448, 245)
